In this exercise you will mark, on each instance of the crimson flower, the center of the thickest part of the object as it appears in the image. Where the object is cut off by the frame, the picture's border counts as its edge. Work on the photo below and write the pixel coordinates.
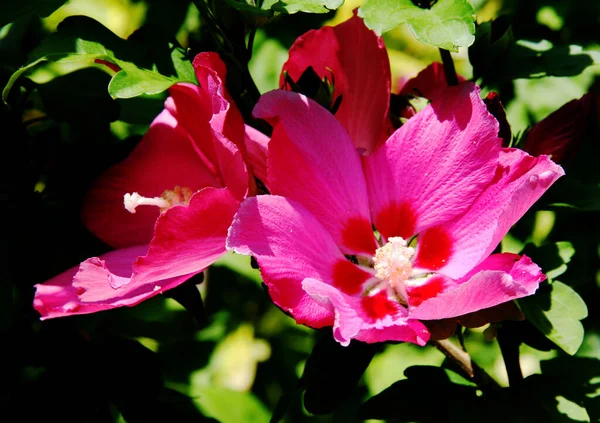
(167, 207)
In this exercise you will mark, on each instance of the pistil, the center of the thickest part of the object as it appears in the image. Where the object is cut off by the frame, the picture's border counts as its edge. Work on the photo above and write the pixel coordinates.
(179, 196)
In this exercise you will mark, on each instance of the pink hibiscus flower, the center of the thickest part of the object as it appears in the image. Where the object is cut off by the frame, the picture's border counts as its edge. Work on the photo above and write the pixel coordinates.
(167, 207)
(440, 193)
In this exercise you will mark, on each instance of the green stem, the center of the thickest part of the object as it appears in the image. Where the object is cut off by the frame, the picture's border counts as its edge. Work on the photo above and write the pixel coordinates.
(449, 70)
(462, 360)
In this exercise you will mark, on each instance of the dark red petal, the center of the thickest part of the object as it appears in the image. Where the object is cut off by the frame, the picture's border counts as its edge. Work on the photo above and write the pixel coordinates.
(418, 294)
(378, 306)
(434, 248)
(348, 277)
(357, 236)
(396, 220)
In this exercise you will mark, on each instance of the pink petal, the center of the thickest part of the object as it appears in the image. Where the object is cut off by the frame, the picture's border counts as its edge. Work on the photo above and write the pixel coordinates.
(312, 161)
(498, 279)
(519, 182)
(99, 283)
(211, 73)
(290, 245)
(226, 123)
(429, 83)
(165, 158)
(256, 151)
(361, 71)
(354, 321)
(188, 239)
(435, 166)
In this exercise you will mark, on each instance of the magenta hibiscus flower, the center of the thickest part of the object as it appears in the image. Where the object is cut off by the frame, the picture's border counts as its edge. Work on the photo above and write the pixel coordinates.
(167, 207)
(374, 244)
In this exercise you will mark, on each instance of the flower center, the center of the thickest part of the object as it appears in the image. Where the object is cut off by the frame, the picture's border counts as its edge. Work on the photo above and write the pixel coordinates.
(178, 196)
(392, 263)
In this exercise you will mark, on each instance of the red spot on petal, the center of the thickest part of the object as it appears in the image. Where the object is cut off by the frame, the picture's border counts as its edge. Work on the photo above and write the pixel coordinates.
(348, 277)
(434, 248)
(357, 236)
(110, 65)
(431, 288)
(396, 220)
(379, 305)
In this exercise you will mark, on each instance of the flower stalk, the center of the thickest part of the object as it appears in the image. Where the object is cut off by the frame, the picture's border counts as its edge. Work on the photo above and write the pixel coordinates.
(449, 70)
(463, 362)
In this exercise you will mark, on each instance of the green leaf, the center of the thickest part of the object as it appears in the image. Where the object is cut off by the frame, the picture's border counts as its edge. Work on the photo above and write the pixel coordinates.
(135, 66)
(308, 6)
(577, 380)
(267, 8)
(576, 195)
(333, 371)
(448, 24)
(14, 9)
(239, 264)
(552, 258)
(132, 81)
(497, 56)
(556, 310)
(404, 401)
(229, 406)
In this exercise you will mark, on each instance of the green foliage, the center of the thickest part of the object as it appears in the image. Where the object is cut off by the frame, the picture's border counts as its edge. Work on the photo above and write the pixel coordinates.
(406, 401)
(552, 258)
(12, 10)
(497, 56)
(229, 406)
(556, 310)
(332, 373)
(81, 42)
(268, 7)
(447, 24)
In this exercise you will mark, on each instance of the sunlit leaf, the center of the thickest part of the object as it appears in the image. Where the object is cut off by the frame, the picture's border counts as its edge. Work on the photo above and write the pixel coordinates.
(556, 310)
(552, 258)
(448, 24)
(267, 8)
(81, 42)
(309, 6)
(497, 56)
(229, 406)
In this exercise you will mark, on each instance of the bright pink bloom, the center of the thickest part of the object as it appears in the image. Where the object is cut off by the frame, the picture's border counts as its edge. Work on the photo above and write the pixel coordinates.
(443, 178)
(184, 182)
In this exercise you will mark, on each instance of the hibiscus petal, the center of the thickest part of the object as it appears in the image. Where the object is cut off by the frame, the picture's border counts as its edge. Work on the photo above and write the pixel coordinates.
(163, 159)
(429, 83)
(498, 279)
(352, 321)
(256, 152)
(290, 245)
(358, 60)
(226, 122)
(435, 166)
(560, 134)
(211, 73)
(99, 283)
(188, 238)
(192, 108)
(312, 161)
(519, 182)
